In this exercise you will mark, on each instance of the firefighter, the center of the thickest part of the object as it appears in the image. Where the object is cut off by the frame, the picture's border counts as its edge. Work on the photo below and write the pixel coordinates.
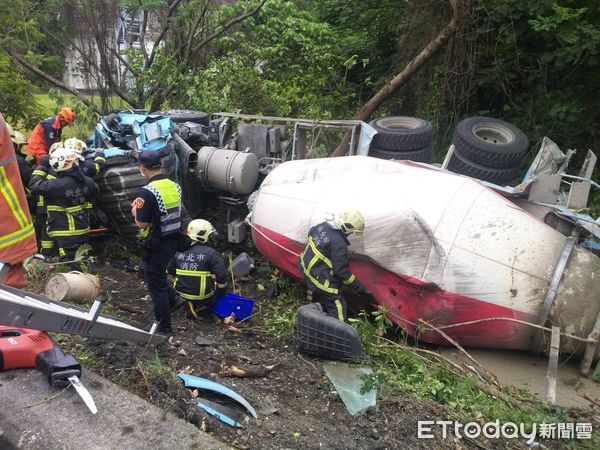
(66, 197)
(46, 245)
(200, 271)
(23, 159)
(324, 261)
(17, 237)
(157, 212)
(48, 132)
(89, 167)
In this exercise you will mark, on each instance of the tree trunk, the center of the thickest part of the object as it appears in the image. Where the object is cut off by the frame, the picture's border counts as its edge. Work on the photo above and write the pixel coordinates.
(458, 9)
(59, 84)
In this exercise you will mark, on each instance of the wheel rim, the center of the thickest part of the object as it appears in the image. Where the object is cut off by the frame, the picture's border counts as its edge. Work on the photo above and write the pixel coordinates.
(400, 123)
(493, 133)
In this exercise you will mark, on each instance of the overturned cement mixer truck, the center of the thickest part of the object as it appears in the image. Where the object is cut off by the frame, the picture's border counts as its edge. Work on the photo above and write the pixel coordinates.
(439, 247)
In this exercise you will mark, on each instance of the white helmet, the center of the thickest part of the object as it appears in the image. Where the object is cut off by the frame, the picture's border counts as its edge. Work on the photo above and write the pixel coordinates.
(350, 221)
(62, 159)
(76, 145)
(55, 146)
(199, 230)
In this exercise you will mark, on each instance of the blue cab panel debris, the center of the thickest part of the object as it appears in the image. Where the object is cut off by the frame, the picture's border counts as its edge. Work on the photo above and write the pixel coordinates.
(192, 382)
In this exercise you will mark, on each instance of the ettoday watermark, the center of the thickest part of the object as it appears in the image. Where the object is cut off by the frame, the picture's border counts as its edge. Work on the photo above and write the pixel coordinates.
(430, 429)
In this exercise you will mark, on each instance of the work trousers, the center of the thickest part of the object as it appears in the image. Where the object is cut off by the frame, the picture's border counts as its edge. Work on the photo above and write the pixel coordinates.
(67, 248)
(333, 305)
(154, 269)
(197, 308)
(46, 244)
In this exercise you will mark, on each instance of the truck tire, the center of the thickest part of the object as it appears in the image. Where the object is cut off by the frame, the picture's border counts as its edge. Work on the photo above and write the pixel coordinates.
(421, 155)
(401, 133)
(184, 115)
(459, 164)
(490, 142)
(119, 185)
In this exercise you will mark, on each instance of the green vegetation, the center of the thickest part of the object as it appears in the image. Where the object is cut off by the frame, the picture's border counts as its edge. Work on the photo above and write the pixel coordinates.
(532, 63)
(279, 314)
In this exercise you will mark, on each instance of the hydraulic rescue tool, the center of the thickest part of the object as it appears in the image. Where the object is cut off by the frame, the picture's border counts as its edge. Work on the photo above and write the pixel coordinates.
(22, 348)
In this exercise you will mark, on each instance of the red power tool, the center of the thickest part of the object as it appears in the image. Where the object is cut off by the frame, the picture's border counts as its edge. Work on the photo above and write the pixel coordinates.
(22, 348)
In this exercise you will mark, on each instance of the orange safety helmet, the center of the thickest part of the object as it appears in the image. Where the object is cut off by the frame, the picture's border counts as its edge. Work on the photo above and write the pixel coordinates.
(67, 114)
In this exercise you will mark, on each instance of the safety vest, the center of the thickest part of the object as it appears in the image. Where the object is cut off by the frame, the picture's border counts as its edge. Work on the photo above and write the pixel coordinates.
(168, 198)
(17, 237)
(51, 134)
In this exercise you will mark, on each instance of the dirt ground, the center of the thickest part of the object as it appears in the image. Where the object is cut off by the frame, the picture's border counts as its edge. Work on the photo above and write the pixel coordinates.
(296, 404)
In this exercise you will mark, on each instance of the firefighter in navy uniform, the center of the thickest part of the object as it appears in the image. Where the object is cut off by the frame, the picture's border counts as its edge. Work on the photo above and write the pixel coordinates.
(91, 168)
(157, 212)
(324, 261)
(45, 243)
(200, 271)
(66, 198)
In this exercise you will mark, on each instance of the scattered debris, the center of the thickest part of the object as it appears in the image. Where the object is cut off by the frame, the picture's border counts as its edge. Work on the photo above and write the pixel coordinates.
(349, 382)
(221, 412)
(229, 320)
(191, 381)
(204, 342)
(241, 265)
(250, 372)
(233, 329)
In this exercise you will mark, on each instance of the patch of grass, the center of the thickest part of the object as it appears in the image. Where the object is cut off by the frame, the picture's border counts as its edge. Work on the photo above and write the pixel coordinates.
(50, 103)
(279, 314)
(80, 349)
(155, 368)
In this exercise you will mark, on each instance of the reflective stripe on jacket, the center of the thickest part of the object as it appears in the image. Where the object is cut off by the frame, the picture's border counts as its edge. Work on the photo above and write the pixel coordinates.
(67, 198)
(168, 198)
(324, 261)
(195, 269)
(17, 237)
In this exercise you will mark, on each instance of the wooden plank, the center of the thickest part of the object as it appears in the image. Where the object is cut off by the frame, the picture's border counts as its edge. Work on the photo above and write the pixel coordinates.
(552, 366)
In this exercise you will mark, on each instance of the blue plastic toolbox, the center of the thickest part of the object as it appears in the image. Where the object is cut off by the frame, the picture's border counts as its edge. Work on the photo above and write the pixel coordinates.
(232, 303)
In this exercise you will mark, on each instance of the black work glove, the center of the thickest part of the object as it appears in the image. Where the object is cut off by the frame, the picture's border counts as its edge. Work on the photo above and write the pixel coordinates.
(220, 291)
(45, 161)
(364, 291)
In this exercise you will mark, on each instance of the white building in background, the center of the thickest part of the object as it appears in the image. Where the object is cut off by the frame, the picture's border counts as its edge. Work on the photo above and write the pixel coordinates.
(128, 33)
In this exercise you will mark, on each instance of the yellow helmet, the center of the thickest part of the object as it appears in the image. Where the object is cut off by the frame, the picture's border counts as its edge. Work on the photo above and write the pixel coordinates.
(16, 137)
(350, 221)
(199, 230)
(77, 145)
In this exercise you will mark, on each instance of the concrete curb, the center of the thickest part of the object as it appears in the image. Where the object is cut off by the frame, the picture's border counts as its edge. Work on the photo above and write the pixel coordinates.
(123, 419)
